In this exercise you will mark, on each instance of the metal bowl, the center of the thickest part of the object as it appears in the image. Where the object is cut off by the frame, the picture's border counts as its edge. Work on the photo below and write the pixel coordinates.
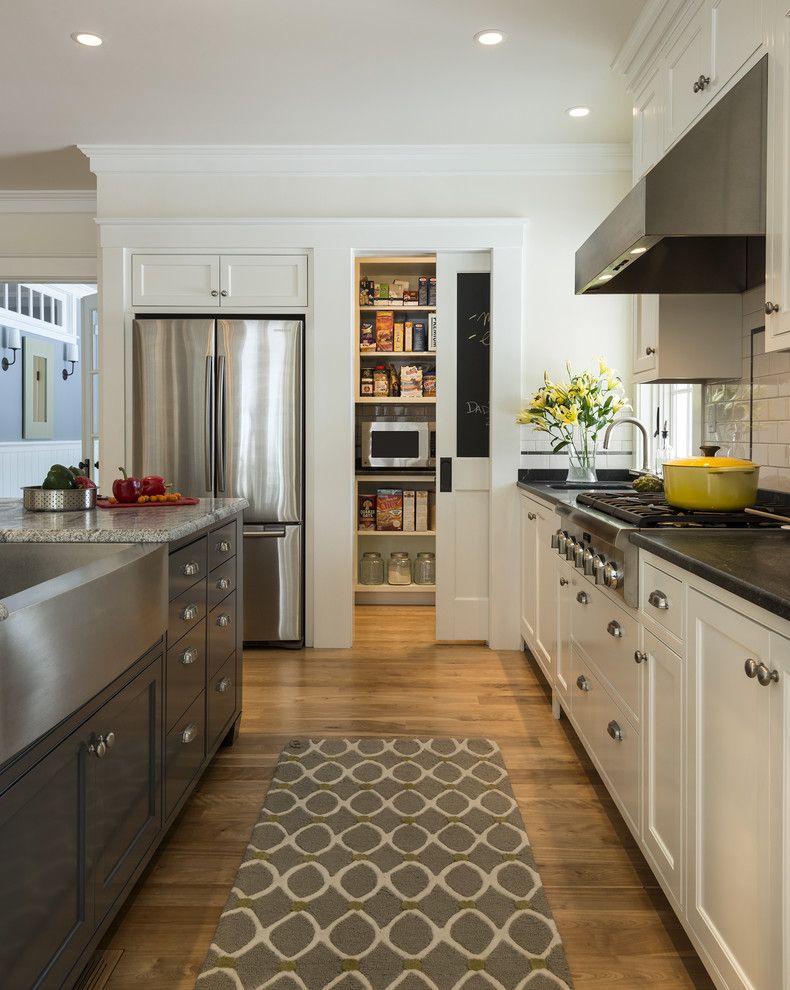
(38, 499)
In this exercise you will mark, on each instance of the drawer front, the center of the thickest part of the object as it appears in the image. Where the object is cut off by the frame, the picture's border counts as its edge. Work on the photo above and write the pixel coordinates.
(186, 672)
(221, 633)
(662, 599)
(221, 700)
(221, 582)
(608, 736)
(188, 566)
(186, 611)
(185, 749)
(221, 545)
(609, 636)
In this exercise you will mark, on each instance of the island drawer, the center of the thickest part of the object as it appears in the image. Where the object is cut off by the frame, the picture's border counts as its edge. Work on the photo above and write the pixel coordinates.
(221, 700)
(221, 582)
(186, 611)
(221, 633)
(184, 751)
(221, 545)
(188, 566)
(662, 599)
(186, 672)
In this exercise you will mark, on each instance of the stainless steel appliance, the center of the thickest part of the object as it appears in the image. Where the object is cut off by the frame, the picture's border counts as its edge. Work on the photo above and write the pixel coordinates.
(398, 444)
(217, 409)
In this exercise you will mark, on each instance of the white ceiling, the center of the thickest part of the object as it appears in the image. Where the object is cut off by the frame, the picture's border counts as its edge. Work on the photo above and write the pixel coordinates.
(301, 72)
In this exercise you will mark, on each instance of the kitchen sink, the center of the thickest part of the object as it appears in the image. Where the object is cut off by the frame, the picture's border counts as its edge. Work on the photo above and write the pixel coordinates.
(25, 565)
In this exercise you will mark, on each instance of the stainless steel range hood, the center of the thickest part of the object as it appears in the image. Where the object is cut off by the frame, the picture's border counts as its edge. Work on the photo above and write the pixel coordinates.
(696, 221)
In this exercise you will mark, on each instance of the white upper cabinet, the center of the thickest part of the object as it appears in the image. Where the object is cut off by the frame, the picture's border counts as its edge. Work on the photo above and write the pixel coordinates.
(777, 281)
(649, 108)
(689, 73)
(263, 280)
(736, 34)
(175, 280)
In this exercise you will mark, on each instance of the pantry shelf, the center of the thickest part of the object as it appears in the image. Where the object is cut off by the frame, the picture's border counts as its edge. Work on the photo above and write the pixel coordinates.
(397, 309)
(398, 354)
(394, 400)
(396, 589)
(395, 532)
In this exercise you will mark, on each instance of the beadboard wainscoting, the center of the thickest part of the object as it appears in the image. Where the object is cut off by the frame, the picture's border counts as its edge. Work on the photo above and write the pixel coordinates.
(26, 463)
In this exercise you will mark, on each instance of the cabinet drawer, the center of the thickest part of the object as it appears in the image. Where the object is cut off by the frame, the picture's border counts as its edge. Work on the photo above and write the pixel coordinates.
(221, 545)
(221, 582)
(609, 737)
(221, 633)
(186, 611)
(186, 672)
(609, 636)
(187, 566)
(185, 749)
(662, 599)
(175, 280)
(221, 700)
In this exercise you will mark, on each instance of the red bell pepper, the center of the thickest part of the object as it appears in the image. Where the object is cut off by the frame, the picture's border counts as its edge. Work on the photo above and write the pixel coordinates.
(126, 489)
(81, 481)
(154, 484)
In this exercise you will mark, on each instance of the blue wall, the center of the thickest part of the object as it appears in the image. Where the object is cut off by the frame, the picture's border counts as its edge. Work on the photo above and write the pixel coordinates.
(68, 396)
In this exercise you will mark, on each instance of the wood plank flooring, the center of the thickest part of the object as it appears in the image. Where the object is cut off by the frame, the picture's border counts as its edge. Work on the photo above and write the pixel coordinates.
(619, 931)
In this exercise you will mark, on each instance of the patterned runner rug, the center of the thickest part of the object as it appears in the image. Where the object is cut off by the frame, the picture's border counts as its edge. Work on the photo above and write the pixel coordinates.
(388, 864)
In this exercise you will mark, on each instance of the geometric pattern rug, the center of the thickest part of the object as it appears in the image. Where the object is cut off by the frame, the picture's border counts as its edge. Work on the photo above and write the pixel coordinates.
(388, 864)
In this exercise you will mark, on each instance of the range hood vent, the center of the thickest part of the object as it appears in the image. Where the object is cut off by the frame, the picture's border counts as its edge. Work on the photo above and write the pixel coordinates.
(696, 221)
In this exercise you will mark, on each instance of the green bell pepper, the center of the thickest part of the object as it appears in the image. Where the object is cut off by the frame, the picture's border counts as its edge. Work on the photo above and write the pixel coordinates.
(59, 478)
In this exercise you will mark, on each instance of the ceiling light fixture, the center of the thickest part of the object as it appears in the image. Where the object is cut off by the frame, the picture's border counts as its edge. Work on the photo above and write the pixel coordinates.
(491, 36)
(578, 112)
(87, 38)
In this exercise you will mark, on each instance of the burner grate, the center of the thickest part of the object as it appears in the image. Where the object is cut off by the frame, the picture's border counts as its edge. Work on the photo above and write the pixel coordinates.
(649, 509)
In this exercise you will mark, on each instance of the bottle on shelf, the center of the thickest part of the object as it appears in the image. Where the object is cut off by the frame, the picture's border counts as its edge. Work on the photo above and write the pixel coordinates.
(664, 452)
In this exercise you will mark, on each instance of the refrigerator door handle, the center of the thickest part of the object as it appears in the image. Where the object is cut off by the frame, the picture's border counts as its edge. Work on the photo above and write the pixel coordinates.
(272, 534)
(208, 426)
(221, 426)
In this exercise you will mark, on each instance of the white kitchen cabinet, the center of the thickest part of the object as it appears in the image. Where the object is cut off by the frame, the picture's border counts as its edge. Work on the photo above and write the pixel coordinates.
(538, 585)
(645, 334)
(777, 282)
(662, 766)
(529, 570)
(649, 108)
(736, 34)
(735, 786)
(689, 73)
(565, 584)
(210, 281)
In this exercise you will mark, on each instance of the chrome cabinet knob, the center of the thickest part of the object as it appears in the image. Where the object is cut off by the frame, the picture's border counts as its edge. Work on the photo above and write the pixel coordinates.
(583, 598)
(563, 582)
(650, 350)
(110, 740)
(101, 745)
(189, 733)
(214, 293)
(224, 684)
(701, 84)
(189, 613)
(223, 620)
(615, 731)
(189, 656)
(615, 629)
(531, 516)
(766, 676)
(750, 667)
(224, 292)
(658, 600)
(640, 656)
(223, 546)
(223, 583)
(771, 307)
(191, 568)
(582, 683)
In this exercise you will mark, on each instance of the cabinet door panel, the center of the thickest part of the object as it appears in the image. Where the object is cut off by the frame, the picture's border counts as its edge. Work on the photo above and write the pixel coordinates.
(736, 35)
(688, 59)
(547, 592)
(565, 595)
(529, 571)
(46, 912)
(175, 280)
(645, 333)
(125, 784)
(264, 280)
(777, 243)
(649, 109)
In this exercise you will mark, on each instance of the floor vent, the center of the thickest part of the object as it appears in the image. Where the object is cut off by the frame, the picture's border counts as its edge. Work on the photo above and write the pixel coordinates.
(97, 973)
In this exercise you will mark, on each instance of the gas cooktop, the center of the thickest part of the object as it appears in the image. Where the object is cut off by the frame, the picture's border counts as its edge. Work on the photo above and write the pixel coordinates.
(650, 509)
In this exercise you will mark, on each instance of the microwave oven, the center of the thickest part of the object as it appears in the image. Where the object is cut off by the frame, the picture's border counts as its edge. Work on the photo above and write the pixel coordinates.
(388, 444)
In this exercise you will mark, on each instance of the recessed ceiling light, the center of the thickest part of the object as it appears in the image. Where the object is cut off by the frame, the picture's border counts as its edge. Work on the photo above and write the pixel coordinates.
(604, 278)
(491, 36)
(578, 112)
(87, 38)
(638, 250)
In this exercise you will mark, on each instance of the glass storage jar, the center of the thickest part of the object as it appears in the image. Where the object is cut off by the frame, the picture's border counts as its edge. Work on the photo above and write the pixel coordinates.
(371, 569)
(399, 570)
(425, 568)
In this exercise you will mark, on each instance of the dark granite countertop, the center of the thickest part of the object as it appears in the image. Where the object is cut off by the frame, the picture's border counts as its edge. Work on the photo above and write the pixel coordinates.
(752, 564)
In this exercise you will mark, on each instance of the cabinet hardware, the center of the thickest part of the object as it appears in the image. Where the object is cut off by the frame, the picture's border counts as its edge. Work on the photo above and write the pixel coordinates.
(223, 546)
(766, 676)
(701, 84)
(191, 568)
(658, 599)
(214, 293)
(771, 307)
(189, 613)
(224, 292)
(189, 733)
(223, 685)
(563, 582)
(612, 575)
(582, 683)
(650, 350)
(615, 731)
(223, 583)
(583, 598)
(578, 555)
(189, 656)
(640, 656)
(750, 667)
(531, 516)
(223, 620)
(615, 629)
(102, 744)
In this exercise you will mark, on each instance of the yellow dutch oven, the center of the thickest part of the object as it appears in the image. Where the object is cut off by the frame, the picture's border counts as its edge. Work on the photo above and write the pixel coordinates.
(712, 484)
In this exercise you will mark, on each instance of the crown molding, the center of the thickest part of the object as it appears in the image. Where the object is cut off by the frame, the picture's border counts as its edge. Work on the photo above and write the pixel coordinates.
(646, 36)
(48, 201)
(360, 160)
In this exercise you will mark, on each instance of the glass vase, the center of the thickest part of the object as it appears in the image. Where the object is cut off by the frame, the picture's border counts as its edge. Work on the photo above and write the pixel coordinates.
(581, 458)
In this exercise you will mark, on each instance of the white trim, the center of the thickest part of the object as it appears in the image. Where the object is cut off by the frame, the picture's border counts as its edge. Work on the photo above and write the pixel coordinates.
(48, 201)
(648, 33)
(58, 268)
(351, 160)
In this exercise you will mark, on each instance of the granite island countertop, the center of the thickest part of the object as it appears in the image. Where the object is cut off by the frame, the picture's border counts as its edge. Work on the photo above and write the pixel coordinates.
(752, 564)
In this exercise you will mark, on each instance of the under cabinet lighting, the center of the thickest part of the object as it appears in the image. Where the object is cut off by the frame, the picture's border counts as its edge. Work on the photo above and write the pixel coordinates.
(578, 112)
(604, 278)
(638, 250)
(491, 36)
(87, 38)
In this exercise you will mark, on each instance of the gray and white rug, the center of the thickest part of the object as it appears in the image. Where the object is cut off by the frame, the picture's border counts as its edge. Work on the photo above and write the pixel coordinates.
(388, 864)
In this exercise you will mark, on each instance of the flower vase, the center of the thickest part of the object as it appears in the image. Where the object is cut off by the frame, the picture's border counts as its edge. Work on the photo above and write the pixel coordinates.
(581, 458)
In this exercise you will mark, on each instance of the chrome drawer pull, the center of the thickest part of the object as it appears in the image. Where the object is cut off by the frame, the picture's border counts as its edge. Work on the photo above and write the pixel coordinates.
(189, 613)
(640, 657)
(766, 676)
(658, 599)
(563, 582)
(223, 546)
(191, 568)
(189, 733)
(531, 516)
(615, 629)
(750, 667)
(224, 684)
(583, 598)
(223, 620)
(615, 731)
(223, 583)
(189, 656)
(582, 683)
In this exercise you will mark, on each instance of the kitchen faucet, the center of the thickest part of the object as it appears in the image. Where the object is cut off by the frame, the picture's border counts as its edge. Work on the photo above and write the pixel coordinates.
(640, 426)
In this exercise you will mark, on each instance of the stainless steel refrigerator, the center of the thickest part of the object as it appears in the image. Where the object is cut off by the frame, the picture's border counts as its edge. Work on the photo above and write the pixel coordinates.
(217, 409)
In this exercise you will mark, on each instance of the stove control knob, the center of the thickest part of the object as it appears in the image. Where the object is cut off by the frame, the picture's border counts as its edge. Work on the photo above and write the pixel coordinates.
(612, 575)
(598, 568)
(587, 561)
(578, 555)
(570, 548)
(555, 540)
(561, 540)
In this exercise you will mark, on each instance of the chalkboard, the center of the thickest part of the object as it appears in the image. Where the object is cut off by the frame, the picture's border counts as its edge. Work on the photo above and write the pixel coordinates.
(473, 363)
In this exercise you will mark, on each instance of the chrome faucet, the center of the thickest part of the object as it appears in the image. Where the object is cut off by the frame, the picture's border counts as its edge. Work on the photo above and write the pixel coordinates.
(639, 426)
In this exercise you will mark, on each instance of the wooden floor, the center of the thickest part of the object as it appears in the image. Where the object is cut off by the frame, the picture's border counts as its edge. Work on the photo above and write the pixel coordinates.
(619, 931)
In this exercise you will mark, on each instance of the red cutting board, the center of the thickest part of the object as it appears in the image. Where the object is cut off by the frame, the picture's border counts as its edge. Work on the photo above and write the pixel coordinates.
(104, 503)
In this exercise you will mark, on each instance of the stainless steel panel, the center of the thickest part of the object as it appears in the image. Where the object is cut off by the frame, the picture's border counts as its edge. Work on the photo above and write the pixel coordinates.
(272, 583)
(172, 426)
(261, 384)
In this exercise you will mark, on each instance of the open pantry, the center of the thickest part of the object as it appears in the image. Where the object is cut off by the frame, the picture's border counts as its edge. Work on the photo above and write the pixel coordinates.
(395, 339)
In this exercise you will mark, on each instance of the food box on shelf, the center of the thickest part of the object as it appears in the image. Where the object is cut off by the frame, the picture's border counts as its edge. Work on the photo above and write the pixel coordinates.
(367, 511)
(421, 511)
(389, 509)
(367, 336)
(408, 511)
(385, 330)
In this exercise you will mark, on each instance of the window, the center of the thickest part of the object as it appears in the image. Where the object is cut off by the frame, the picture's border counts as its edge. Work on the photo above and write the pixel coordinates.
(45, 310)
(677, 405)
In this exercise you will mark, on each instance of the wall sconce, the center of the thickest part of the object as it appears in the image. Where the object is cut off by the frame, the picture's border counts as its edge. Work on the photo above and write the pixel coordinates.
(71, 356)
(13, 342)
